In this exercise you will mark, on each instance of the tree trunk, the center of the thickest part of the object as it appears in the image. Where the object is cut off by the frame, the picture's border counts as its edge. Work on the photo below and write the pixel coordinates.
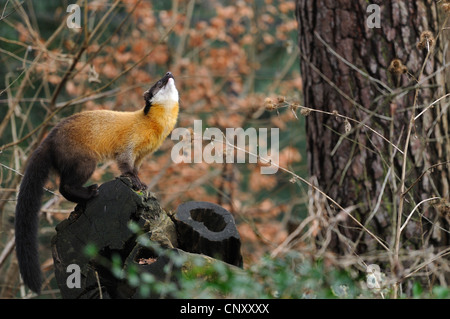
(354, 89)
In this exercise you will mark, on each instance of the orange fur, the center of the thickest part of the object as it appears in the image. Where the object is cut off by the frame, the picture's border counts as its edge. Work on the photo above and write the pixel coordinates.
(107, 134)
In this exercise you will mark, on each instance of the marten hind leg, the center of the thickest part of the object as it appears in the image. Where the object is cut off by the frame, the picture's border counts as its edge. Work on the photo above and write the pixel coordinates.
(74, 177)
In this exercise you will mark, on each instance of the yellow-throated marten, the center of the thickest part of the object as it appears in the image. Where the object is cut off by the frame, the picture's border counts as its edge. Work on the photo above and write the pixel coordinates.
(73, 148)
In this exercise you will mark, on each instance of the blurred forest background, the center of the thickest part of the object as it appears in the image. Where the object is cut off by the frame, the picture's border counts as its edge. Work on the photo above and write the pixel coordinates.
(236, 64)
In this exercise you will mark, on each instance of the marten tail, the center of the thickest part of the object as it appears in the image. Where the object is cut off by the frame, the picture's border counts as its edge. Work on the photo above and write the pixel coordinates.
(27, 216)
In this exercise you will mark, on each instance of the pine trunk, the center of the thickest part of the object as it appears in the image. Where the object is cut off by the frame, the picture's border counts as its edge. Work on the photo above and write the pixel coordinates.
(353, 90)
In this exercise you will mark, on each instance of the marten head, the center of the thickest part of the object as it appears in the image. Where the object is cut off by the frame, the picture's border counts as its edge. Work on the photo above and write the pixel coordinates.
(163, 92)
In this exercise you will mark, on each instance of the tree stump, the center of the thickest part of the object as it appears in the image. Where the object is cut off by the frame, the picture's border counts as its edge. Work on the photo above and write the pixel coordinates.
(209, 229)
(112, 224)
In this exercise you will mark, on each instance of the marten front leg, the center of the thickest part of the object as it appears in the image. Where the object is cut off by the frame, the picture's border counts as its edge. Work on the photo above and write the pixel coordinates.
(129, 170)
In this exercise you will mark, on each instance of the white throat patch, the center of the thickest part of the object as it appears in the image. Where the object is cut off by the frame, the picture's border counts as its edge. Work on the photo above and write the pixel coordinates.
(169, 93)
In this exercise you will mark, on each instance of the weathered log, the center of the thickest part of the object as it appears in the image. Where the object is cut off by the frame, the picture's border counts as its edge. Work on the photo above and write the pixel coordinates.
(209, 229)
(104, 223)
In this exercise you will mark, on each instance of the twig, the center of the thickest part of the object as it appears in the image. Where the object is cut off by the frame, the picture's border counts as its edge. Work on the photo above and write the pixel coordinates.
(80, 52)
(26, 78)
(268, 161)
(187, 22)
(423, 173)
(441, 254)
(291, 236)
(98, 284)
(403, 174)
(9, 247)
(73, 101)
(19, 173)
(342, 93)
(429, 106)
(11, 12)
(102, 45)
(354, 67)
(412, 212)
(63, 81)
(358, 122)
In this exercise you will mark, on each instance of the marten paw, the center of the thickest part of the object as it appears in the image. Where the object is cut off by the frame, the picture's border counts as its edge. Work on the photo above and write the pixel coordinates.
(143, 187)
(138, 185)
(93, 190)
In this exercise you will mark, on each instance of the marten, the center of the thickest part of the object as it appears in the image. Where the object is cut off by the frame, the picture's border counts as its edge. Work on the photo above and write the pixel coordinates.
(74, 147)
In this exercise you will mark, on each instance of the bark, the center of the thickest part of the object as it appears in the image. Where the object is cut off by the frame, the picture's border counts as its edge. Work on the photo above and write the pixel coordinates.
(345, 70)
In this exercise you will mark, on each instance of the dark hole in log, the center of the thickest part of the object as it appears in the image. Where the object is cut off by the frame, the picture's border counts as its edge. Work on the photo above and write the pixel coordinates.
(145, 256)
(214, 222)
